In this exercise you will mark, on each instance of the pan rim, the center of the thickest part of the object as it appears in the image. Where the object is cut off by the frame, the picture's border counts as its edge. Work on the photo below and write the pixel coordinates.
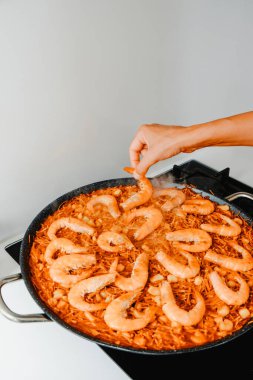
(53, 206)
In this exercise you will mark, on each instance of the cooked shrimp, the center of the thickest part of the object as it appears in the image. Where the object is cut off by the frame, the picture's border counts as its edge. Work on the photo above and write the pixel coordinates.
(226, 294)
(139, 275)
(63, 245)
(179, 212)
(198, 206)
(233, 229)
(113, 242)
(153, 218)
(178, 269)
(60, 270)
(106, 200)
(142, 196)
(201, 239)
(73, 224)
(231, 263)
(115, 314)
(176, 197)
(175, 313)
(89, 285)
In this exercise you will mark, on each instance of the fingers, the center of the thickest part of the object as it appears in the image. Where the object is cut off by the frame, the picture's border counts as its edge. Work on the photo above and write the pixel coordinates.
(155, 142)
(152, 156)
(139, 146)
(149, 159)
(134, 157)
(136, 146)
(144, 151)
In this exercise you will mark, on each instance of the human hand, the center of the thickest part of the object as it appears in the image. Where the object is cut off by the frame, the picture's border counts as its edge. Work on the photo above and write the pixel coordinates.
(155, 142)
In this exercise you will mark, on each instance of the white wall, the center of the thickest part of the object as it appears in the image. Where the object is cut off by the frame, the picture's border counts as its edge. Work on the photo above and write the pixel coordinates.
(209, 59)
(77, 77)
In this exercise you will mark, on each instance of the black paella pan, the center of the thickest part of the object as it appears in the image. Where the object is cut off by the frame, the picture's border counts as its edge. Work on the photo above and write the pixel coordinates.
(48, 315)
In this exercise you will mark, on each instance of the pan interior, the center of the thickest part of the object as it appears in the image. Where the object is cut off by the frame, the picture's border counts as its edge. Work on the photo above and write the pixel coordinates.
(53, 206)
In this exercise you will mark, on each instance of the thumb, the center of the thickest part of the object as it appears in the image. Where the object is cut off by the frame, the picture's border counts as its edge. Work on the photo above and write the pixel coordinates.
(147, 160)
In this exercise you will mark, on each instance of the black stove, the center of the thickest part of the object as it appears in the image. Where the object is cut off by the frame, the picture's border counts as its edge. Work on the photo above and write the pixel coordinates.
(228, 359)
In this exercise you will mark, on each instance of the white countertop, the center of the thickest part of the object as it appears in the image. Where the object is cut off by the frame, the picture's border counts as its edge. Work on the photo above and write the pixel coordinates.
(48, 351)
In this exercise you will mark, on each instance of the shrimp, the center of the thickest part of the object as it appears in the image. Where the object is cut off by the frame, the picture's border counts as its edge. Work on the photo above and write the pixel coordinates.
(231, 263)
(226, 294)
(154, 219)
(198, 206)
(139, 275)
(89, 285)
(60, 270)
(176, 197)
(119, 241)
(142, 196)
(115, 314)
(74, 224)
(106, 200)
(202, 240)
(179, 212)
(175, 313)
(178, 269)
(233, 229)
(63, 245)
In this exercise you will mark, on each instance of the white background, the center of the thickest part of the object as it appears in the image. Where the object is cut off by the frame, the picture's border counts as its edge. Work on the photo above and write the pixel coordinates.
(76, 80)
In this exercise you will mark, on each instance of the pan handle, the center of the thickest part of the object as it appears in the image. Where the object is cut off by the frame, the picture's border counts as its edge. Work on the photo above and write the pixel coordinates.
(6, 312)
(241, 194)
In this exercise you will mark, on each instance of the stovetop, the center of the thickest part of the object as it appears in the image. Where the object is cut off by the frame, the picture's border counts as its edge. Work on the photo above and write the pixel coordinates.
(230, 358)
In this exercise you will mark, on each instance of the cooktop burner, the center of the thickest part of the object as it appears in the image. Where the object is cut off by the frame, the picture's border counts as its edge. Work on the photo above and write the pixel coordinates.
(232, 357)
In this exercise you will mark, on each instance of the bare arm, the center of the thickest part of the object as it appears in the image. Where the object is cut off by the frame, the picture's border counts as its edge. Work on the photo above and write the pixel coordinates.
(157, 142)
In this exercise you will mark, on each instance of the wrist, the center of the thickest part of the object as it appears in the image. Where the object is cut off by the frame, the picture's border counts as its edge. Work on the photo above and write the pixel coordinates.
(214, 133)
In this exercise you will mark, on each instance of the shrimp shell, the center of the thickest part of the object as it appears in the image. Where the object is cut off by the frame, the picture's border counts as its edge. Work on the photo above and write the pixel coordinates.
(86, 286)
(198, 206)
(231, 263)
(177, 197)
(115, 314)
(178, 269)
(139, 275)
(63, 245)
(202, 240)
(119, 241)
(153, 218)
(233, 229)
(74, 224)
(106, 200)
(59, 270)
(175, 313)
(226, 294)
(142, 196)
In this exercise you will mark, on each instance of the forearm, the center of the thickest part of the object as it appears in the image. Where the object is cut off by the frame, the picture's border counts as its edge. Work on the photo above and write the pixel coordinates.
(231, 131)
(156, 142)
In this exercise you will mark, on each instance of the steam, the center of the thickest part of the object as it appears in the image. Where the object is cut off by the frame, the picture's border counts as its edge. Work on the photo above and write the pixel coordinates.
(163, 181)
